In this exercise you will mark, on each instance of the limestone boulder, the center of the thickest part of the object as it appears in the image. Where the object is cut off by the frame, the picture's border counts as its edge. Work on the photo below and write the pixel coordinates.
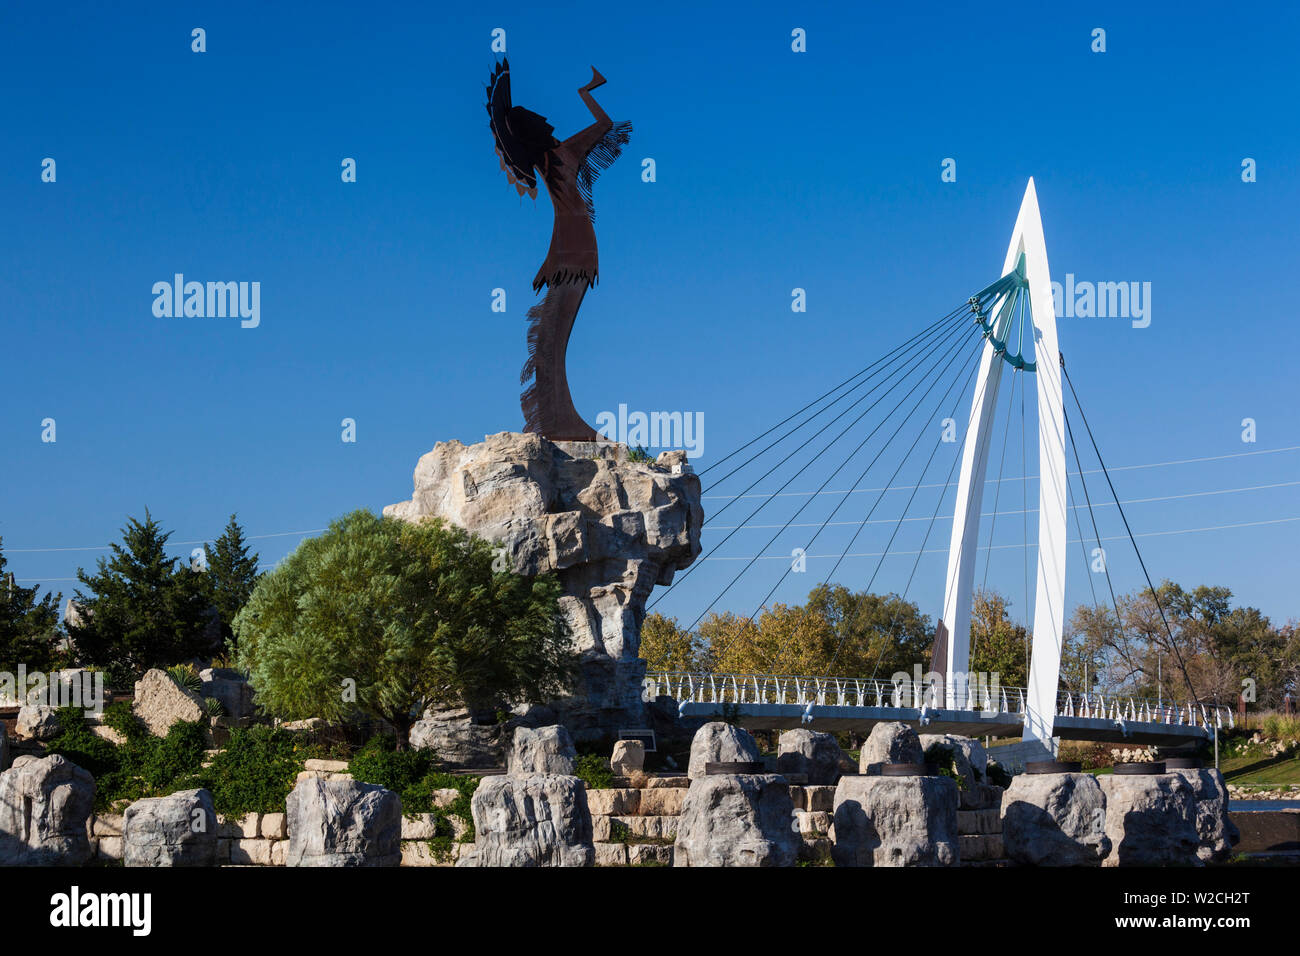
(737, 820)
(719, 742)
(628, 757)
(161, 702)
(889, 742)
(1055, 819)
(38, 722)
(895, 821)
(530, 820)
(4, 747)
(459, 741)
(1217, 831)
(232, 688)
(544, 750)
(44, 806)
(1151, 820)
(808, 752)
(176, 830)
(343, 823)
(970, 759)
(610, 527)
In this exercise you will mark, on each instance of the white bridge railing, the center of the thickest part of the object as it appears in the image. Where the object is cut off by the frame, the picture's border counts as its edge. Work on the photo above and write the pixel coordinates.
(989, 698)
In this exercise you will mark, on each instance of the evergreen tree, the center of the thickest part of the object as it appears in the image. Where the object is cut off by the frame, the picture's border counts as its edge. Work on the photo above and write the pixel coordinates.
(232, 575)
(385, 618)
(140, 610)
(28, 627)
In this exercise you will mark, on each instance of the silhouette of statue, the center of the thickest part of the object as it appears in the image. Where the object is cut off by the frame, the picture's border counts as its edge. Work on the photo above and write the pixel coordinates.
(527, 148)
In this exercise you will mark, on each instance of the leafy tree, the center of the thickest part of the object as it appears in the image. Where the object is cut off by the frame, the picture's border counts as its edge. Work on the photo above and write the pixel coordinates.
(874, 634)
(667, 646)
(386, 618)
(1206, 653)
(140, 610)
(997, 644)
(28, 625)
(838, 632)
(232, 575)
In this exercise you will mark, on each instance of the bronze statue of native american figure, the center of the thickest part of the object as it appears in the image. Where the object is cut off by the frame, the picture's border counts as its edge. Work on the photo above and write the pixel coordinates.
(527, 147)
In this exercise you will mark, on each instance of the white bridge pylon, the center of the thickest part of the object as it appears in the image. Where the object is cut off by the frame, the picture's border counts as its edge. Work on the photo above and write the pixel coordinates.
(1049, 607)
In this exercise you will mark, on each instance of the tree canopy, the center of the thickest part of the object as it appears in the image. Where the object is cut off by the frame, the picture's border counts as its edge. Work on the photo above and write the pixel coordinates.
(141, 608)
(29, 625)
(386, 618)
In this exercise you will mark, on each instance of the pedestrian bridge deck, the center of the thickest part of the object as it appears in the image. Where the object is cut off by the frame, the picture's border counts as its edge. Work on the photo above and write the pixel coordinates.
(770, 702)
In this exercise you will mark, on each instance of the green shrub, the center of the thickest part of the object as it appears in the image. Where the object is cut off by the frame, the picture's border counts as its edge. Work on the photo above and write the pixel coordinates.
(175, 758)
(255, 771)
(120, 717)
(945, 758)
(75, 742)
(593, 770)
(414, 776)
(186, 676)
(143, 766)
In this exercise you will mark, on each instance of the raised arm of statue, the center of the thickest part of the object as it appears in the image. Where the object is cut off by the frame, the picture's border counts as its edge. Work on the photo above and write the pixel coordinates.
(583, 141)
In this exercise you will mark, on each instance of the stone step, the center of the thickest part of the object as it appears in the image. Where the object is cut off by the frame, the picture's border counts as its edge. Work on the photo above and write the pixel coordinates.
(979, 821)
(980, 847)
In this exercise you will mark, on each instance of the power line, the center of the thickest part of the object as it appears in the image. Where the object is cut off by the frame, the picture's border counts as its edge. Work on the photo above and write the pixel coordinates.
(1006, 547)
(1093, 471)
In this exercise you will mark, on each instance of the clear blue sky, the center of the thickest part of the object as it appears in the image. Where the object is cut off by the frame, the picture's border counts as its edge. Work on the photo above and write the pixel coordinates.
(775, 170)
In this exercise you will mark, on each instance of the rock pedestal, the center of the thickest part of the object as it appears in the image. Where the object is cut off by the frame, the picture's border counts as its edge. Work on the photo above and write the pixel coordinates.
(44, 805)
(1217, 831)
(611, 528)
(531, 820)
(339, 822)
(627, 758)
(737, 820)
(895, 821)
(1151, 820)
(889, 742)
(719, 742)
(815, 755)
(544, 750)
(1055, 819)
(176, 830)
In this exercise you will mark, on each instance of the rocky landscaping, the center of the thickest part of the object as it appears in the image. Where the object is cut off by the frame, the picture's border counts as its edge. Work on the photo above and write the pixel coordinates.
(147, 784)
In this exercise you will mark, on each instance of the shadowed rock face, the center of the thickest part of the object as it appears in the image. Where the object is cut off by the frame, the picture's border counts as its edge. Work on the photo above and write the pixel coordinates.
(737, 820)
(338, 823)
(176, 830)
(895, 821)
(1055, 819)
(532, 819)
(44, 805)
(610, 528)
(1151, 820)
(812, 753)
(1217, 831)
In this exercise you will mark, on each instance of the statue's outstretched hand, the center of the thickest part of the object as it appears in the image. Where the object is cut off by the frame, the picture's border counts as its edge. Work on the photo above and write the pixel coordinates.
(596, 81)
